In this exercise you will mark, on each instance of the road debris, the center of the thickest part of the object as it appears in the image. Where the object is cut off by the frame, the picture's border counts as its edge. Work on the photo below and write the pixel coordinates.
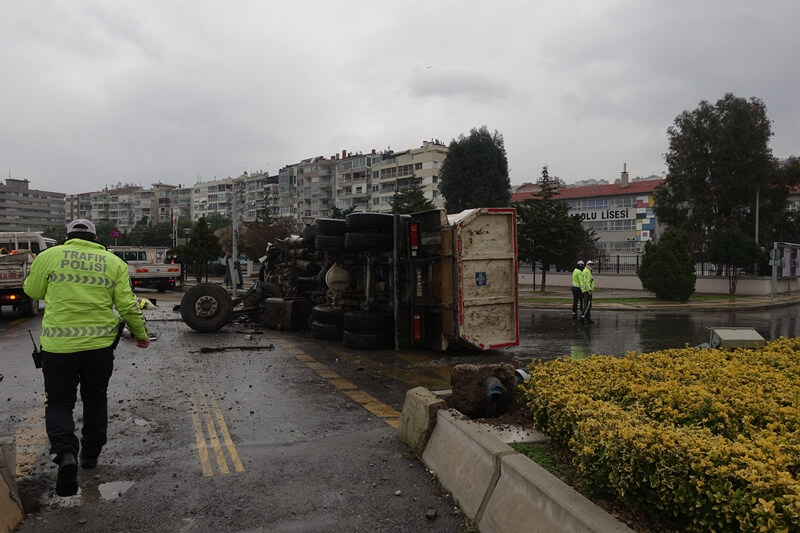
(209, 349)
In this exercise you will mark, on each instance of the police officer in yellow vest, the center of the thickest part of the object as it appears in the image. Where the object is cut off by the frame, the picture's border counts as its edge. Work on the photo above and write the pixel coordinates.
(577, 292)
(587, 286)
(81, 284)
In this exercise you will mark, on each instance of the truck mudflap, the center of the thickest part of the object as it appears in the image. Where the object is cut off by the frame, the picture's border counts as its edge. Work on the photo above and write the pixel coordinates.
(484, 248)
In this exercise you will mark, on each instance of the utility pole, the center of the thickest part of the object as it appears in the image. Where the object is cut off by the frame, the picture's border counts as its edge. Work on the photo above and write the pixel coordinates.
(234, 271)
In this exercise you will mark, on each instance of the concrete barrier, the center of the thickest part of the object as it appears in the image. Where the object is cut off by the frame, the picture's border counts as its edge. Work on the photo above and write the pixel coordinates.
(501, 490)
(418, 418)
(466, 459)
(529, 498)
(11, 512)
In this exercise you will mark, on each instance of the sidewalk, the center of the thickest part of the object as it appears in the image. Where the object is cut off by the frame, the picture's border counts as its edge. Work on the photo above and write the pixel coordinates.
(560, 298)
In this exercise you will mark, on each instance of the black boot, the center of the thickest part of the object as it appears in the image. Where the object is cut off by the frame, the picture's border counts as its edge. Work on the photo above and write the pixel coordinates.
(67, 480)
(88, 462)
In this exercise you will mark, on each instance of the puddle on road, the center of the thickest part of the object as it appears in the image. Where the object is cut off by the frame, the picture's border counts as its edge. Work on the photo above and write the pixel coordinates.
(90, 494)
(109, 491)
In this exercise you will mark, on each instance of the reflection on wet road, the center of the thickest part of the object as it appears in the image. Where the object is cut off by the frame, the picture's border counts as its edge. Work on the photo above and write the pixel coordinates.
(547, 334)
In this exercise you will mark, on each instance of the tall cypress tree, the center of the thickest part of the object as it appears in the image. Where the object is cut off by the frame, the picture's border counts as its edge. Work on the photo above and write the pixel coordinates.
(475, 172)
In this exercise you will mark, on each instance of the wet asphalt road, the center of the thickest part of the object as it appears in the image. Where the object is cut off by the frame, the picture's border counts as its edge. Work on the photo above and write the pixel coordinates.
(256, 438)
(283, 432)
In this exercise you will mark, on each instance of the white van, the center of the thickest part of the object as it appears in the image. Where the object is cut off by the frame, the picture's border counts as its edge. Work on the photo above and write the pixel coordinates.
(30, 241)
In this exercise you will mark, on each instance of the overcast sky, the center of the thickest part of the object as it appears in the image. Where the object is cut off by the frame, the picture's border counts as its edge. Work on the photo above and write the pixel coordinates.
(95, 92)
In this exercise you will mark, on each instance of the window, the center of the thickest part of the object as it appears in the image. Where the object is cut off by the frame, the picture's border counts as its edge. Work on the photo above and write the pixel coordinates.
(625, 201)
(596, 203)
(597, 225)
(621, 225)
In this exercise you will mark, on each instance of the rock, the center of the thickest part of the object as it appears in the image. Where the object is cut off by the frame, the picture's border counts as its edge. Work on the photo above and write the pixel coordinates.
(431, 514)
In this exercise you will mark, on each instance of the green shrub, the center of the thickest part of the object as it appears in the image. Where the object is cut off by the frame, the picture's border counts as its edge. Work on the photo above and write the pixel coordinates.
(667, 268)
(705, 437)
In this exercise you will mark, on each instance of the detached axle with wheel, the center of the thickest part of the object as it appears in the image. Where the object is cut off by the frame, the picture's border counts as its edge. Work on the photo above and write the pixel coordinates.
(208, 307)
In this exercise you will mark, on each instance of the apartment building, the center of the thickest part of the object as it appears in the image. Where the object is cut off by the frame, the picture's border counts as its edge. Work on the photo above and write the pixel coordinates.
(287, 192)
(315, 187)
(211, 197)
(260, 191)
(395, 171)
(353, 177)
(26, 209)
(127, 205)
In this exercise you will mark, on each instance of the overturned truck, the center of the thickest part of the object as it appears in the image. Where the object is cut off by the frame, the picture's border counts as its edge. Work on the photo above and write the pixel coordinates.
(377, 280)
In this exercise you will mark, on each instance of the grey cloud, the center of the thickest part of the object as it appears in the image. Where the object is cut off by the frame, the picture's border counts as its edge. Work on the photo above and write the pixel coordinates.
(432, 82)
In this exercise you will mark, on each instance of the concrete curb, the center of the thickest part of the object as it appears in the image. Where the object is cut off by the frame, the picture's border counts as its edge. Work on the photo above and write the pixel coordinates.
(11, 511)
(501, 490)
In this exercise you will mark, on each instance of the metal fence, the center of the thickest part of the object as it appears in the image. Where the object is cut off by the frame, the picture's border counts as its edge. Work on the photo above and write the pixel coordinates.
(628, 264)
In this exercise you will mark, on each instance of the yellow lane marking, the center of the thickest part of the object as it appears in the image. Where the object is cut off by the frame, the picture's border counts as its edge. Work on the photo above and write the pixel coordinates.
(31, 441)
(342, 384)
(372, 404)
(200, 440)
(212, 436)
(205, 408)
(386, 413)
(412, 377)
(226, 436)
(323, 371)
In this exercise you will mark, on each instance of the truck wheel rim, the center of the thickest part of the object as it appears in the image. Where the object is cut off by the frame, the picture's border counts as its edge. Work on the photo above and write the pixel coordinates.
(206, 306)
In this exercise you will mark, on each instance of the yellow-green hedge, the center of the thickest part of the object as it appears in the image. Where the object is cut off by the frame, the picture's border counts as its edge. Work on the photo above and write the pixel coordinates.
(709, 438)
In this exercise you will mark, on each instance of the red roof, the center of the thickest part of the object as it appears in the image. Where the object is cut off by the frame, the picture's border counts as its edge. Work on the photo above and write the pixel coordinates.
(591, 191)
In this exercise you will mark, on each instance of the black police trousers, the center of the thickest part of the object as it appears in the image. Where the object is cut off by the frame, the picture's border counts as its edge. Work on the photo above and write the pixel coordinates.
(577, 298)
(63, 372)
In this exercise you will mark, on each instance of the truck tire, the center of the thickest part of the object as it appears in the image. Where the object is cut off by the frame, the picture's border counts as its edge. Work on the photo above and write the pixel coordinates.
(206, 307)
(365, 322)
(331, 226)
(367, 341)
(29, 307)
(327, 332)
(375, 222)
(368, 241)
(327, 314)
(330, 243)
(310, 232)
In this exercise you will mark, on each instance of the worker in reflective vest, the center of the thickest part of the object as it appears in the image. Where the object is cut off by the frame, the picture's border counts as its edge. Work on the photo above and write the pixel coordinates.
(587, 286)
(81, 284)
(577, 292)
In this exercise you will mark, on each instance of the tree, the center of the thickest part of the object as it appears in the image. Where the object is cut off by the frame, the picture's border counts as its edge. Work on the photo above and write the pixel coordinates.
(411, 198)
(254, 241)
(59, 233)
(104, 229)
(217, 221)
(733, 248)
(787, 226)
(145, 234)
(342, 213)
(202, 248)
(475, 172)
(667, 267)
(718, 161)
(547, 233)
